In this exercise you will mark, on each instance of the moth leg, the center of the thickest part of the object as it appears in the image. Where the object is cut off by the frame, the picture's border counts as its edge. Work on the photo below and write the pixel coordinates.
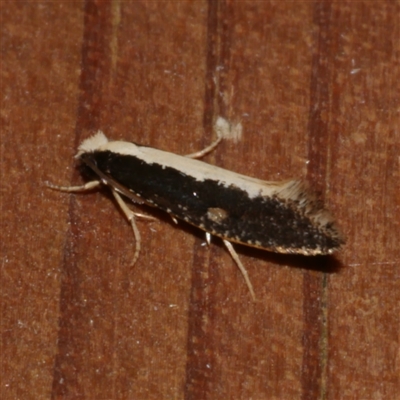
(89, 186)
(235, 257)
(130, 215)
(208, 149)
(83, 188)
(143, 216)
(174, 220)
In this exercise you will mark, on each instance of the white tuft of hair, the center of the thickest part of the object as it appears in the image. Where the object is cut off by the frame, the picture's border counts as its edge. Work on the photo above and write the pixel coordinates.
(91, 144)
(298, 192)
(228, 130)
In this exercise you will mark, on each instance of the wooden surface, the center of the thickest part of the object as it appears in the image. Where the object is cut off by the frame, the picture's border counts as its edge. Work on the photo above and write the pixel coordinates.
(316, 87)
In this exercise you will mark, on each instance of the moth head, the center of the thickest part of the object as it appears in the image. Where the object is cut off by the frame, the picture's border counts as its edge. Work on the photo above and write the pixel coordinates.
(92, 144)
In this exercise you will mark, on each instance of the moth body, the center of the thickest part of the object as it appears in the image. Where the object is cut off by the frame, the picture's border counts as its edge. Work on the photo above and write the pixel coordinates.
(276, 216)
(283, 217)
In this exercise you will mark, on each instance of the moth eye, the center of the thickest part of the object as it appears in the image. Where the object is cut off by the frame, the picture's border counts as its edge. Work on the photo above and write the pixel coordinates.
(216, 214)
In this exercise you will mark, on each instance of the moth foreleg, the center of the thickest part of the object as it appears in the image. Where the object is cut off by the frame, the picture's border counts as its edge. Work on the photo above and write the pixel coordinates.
(235, 257)
(73, 189)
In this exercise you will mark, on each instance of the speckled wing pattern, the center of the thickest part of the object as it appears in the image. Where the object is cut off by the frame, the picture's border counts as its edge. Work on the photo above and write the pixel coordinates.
(282, 217)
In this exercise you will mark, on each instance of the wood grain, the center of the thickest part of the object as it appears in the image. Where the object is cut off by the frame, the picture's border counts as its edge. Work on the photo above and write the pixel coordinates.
(316, 88)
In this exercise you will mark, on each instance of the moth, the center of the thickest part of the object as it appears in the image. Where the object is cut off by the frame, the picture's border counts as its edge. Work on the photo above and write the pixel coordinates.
(283, 217)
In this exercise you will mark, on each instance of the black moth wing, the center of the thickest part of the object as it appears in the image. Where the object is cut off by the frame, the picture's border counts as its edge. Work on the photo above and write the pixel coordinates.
(268, 222)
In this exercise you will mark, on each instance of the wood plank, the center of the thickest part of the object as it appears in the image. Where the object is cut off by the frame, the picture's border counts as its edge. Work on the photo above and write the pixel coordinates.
(316, 88)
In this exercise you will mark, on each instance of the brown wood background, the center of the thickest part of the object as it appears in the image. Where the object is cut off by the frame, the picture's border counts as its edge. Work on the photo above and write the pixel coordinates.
(316, 86)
